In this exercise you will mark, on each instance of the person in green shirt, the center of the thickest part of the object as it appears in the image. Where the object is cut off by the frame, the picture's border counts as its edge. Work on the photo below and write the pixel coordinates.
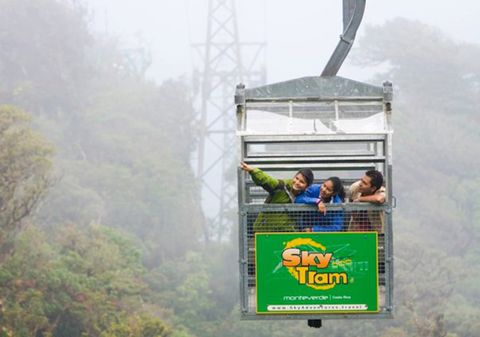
(280, 192)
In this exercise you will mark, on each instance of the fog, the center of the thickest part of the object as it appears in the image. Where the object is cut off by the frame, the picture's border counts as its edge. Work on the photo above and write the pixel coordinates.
(300, 35)
(102, 233)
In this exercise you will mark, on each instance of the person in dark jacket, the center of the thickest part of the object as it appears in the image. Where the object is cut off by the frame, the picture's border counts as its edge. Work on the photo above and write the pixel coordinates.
(331, 191)
(280, 192)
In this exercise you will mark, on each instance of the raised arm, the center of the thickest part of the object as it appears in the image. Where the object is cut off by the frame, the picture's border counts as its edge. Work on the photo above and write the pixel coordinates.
(260, 178)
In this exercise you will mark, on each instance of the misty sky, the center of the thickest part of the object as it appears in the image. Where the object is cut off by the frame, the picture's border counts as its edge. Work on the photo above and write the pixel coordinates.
(300, 35)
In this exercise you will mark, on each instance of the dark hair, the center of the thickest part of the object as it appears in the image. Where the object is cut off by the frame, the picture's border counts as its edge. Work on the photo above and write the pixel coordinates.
(376, 177)
(307, 174)
(337, 187)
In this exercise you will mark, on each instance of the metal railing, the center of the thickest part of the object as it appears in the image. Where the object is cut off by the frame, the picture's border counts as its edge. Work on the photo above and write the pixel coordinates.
(347, 217)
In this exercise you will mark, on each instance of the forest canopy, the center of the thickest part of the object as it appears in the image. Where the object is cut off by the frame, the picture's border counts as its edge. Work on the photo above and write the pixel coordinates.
(100, 220)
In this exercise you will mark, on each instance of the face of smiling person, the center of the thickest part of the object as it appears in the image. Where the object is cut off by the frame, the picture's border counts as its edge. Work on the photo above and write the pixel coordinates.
(326, 191)
(299, 183)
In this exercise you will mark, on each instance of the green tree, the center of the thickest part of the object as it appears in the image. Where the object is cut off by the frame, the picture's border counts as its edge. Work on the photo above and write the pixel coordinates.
(43, 59)
(123, 142)
(137, 326)
(123, 148)
(436, 132)
(25, 167)
(84, 282)
(131, 169)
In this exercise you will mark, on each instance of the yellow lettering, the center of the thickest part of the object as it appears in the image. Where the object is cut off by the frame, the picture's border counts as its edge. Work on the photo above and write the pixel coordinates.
(322, 279)
(324, 260)
(302, 274)
(290, 257)
(305, 266)
(316, 259)
(305, 276)
(308, 259)
(335, 278)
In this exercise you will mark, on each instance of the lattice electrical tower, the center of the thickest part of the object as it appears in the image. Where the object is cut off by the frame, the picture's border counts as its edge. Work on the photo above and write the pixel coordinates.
(225, 62)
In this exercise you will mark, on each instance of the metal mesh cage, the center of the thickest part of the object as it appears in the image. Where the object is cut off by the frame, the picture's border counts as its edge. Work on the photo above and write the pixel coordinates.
(350, 217)
(336, 127)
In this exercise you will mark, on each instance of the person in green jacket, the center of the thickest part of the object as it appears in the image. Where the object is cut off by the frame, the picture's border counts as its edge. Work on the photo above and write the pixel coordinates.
(280, 192)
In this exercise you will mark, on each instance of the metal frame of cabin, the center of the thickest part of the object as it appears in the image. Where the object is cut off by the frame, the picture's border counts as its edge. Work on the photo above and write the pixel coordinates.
(333, 125)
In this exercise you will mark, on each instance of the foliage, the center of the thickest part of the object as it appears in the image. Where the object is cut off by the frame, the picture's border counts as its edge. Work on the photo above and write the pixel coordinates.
(130, 169)
(85, 282)
(124, 147)
(437, 219)
(123, 156)
(123, 142)
(137, 326)
(25, 167)
(42, 59)
(436, 144)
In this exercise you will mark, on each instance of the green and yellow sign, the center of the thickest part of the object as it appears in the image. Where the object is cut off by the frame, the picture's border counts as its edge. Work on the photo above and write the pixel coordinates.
(307, 273)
